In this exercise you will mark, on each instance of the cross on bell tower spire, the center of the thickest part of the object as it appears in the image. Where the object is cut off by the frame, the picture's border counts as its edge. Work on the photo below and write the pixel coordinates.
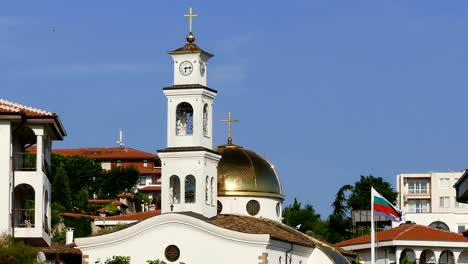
(190, 15)
(230, 121)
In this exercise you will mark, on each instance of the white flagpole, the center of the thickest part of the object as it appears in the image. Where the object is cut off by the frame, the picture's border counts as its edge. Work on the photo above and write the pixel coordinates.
(372, 228)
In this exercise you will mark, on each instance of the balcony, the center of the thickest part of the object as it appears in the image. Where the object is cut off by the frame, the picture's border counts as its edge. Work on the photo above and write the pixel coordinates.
(27, 161)
(24, 161)
(23, 218)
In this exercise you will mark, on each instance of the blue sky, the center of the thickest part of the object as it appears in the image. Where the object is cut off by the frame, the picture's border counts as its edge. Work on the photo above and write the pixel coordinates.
(326, 90)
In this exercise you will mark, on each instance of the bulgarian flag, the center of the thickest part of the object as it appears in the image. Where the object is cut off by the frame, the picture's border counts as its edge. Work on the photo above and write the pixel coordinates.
(384, 208)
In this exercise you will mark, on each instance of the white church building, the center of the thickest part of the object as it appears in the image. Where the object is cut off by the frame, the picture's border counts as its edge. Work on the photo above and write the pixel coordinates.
(218, 205)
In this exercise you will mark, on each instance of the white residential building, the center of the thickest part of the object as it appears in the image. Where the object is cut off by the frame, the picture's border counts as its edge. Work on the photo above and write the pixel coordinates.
(429, 199)
(25, 189)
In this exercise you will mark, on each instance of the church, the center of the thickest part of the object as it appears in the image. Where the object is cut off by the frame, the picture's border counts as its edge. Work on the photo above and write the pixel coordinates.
(218, 204)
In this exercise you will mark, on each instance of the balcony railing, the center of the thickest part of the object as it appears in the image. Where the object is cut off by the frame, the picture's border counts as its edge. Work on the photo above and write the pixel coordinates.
(24, 161)
(23, 218)
(418, 191)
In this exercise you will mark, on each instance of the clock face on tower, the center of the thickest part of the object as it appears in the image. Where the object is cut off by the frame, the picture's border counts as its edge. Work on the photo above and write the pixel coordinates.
(185, 68)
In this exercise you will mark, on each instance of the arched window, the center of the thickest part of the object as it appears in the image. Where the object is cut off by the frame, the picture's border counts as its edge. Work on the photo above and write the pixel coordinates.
(207, 190)
(212, 192)
(427, 256)
(440, 225)
(174, 190)
(446, 257)
(184, 119)
(24, 206)
(46, 213)
(409, 255)
(190, 189)
(205, 121)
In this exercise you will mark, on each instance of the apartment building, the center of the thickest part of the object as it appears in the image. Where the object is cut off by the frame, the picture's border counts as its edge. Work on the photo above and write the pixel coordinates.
(429, 199)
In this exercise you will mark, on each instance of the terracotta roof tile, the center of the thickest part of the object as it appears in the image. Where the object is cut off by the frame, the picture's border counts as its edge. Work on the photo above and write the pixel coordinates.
(150, 188)
(107, 153)
(408, 232)
(74, 215)
(60, 249)
(134, 216)
(10, 107)
(100, 201)
(254, 225)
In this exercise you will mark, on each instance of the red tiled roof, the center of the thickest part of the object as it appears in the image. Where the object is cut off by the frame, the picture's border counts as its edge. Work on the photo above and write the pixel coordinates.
(150, 188)
(124, 217)
(408, 232)
(106, 153)
(100, 201)
(135, 216)
(74, 215)
(119, 203)
(15, 108)
(129, 196)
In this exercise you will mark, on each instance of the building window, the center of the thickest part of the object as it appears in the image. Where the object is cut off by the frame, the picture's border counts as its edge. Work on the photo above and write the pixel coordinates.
(142, 180)
(417, 186)
(461, 228)
(119, 163)
(190, 189)
(444, 202)
(417, 206)
(207, 190)
(145, 163)
(444, 183)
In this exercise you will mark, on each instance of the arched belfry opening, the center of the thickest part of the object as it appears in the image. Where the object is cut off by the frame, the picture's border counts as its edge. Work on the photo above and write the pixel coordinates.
(174, 190)
(190, 189)
(184, 119)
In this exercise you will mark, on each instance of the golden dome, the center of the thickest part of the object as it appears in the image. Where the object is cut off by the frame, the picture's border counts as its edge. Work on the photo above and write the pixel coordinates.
(242, 172)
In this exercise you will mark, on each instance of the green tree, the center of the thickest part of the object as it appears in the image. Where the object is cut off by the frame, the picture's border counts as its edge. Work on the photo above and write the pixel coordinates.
(81, 171)
(305, 219)
(116, 181)
(61, 193)
(354, 197)
(360, 196)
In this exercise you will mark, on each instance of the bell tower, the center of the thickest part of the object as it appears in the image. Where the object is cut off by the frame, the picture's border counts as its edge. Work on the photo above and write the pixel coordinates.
(189, 174)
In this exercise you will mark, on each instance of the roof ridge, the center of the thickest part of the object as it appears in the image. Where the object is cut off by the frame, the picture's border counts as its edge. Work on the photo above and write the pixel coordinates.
(20, 106)
(404, 231)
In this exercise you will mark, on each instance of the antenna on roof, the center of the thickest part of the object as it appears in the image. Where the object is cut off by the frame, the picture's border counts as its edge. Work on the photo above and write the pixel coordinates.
(120, 141)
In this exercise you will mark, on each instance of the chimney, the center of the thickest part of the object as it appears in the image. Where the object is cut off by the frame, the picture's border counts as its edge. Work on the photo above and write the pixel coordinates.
(69, 236)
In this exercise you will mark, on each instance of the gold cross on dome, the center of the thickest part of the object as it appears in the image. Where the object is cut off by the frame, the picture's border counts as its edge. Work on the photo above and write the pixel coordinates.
(229, 121)
(190, 15)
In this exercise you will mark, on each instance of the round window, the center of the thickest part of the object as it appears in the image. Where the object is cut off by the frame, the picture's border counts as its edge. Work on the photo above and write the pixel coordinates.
(253, 207)
(219, 207)
(278, 209)
(172, 253)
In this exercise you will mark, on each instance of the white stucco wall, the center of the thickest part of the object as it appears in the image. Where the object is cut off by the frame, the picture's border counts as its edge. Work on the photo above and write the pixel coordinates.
(200, 164)
(5, 176)
(238, 205)
(197, 98)
(198, 241)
